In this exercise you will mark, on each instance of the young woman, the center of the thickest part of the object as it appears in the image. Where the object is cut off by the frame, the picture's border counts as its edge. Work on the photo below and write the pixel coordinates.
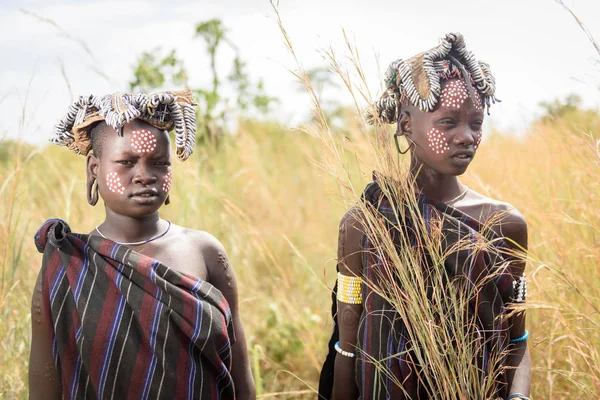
(139, 307)
(437, 99)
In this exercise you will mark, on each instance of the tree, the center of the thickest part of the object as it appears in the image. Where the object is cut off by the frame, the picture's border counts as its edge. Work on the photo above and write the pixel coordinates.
(152, 73)
(557, 108)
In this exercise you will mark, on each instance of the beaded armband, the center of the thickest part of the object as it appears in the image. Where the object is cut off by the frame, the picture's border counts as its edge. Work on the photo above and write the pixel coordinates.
(348, 289)
(520, 289)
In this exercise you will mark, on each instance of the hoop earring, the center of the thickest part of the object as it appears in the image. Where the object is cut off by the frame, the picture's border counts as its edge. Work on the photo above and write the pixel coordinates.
(167, 201)
(92, 192)
(396, 136)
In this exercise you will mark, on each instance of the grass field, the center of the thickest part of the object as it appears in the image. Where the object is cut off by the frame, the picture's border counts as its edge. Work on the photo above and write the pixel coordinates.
(263, 194)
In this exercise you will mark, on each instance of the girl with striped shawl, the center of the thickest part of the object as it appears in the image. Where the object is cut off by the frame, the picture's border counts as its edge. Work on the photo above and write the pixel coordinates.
(139, 308)
(379, 348)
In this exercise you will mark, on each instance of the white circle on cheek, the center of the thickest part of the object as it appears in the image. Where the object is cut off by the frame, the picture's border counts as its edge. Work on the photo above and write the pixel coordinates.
(437, 141)
(167, 180)
(113, 182)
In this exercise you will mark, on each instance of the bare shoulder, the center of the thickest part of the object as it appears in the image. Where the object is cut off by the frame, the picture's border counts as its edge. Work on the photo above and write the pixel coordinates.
(208, 246)
(509, 221)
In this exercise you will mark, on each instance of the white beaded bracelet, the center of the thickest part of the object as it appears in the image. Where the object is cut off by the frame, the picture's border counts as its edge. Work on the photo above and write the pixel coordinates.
(520, 289)
(342, 352)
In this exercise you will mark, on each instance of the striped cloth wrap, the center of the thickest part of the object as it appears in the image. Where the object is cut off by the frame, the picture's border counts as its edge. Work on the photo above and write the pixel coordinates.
(127, 326)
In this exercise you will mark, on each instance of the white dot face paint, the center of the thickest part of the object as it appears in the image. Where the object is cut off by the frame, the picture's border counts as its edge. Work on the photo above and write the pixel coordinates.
(437, 141)
(167, 180)
(478, 140)
(455, 93)
(114, 183)
(143, 141)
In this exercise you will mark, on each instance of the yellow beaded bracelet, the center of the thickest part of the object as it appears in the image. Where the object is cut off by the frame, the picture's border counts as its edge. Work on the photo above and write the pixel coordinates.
(348, 290)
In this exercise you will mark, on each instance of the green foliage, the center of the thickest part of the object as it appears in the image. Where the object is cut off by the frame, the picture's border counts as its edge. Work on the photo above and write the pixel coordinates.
(280, 337)
(240, 80)
(570, 109)
(559, 108)
(323, 81)
(151, 72)
(261, 101)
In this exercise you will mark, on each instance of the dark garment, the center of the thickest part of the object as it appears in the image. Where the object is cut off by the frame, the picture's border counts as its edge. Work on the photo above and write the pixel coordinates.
(126, 326)
(382, 333)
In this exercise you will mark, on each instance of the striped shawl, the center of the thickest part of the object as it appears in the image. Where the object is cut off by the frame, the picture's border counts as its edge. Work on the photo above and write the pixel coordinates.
(127, 326)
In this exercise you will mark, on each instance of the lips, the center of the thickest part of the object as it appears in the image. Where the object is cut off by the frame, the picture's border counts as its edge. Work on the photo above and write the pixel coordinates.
(145, 196)
(462, 158)
(145, 193)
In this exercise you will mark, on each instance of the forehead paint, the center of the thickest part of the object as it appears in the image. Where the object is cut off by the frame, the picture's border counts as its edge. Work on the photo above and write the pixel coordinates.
(455, 93)
(114, 183)
(143, 141)
(167, 180)
(437, 141)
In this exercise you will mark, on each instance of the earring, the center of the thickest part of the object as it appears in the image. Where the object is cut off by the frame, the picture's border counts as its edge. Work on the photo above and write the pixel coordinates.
(92, 192)
(397, 135)
(167, 201)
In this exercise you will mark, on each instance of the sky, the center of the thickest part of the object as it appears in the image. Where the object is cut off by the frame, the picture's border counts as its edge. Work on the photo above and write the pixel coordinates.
(536, 50)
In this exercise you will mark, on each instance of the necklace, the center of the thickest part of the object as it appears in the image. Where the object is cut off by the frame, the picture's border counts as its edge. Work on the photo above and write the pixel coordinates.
(140, 242)
(457, 198)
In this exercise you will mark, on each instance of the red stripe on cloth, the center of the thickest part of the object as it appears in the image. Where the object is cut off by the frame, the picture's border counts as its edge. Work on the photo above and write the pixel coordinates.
(144, 319)
(70, 353)
(101, 337)
(183, 359)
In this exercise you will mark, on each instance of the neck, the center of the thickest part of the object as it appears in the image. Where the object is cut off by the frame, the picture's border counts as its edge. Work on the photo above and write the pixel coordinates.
(433, 184)
(125, 229)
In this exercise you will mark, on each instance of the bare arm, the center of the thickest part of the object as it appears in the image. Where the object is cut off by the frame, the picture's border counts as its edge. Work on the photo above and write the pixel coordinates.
(514, 228)
(221, 275)
(43, 377)
(348, 316)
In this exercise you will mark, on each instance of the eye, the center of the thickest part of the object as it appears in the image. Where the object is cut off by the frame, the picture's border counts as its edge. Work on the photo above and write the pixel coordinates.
(476, 125)
(126, 162)
(163, 163)
(447, 122)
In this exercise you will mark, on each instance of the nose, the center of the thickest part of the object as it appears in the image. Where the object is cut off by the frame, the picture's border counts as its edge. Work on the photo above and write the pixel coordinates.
(464, 137)
(144, 175)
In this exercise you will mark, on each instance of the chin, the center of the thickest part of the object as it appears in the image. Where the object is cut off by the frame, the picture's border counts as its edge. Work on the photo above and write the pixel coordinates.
(458, 171)
(135, 210)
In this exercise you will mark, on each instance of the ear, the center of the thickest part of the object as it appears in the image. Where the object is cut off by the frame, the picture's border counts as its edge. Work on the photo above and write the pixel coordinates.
(405, 123)
(92, 165)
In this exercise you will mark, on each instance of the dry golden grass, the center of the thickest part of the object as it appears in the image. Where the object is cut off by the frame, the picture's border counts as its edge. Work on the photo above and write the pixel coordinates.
(277, 213)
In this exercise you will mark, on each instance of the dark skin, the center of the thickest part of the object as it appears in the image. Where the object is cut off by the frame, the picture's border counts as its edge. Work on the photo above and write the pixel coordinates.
(131, 217)
(437, 178)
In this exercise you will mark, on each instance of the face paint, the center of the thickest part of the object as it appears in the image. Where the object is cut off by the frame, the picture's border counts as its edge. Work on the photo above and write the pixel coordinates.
(478, 140)
(167, 180)
(114, 183)
(455, 93)
(437, 141)
(477, 102)
(143, 141)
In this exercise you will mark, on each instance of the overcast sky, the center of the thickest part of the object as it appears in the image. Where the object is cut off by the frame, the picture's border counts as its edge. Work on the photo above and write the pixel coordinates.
(536, 50)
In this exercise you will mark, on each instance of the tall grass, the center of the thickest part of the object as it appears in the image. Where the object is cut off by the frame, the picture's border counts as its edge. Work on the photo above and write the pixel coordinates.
(274, 197)
(441, 338)
(266, 196)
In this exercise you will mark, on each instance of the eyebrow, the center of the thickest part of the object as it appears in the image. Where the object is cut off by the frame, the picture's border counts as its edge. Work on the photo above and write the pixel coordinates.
(458, 111)
(128, 153)
(157, 154)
